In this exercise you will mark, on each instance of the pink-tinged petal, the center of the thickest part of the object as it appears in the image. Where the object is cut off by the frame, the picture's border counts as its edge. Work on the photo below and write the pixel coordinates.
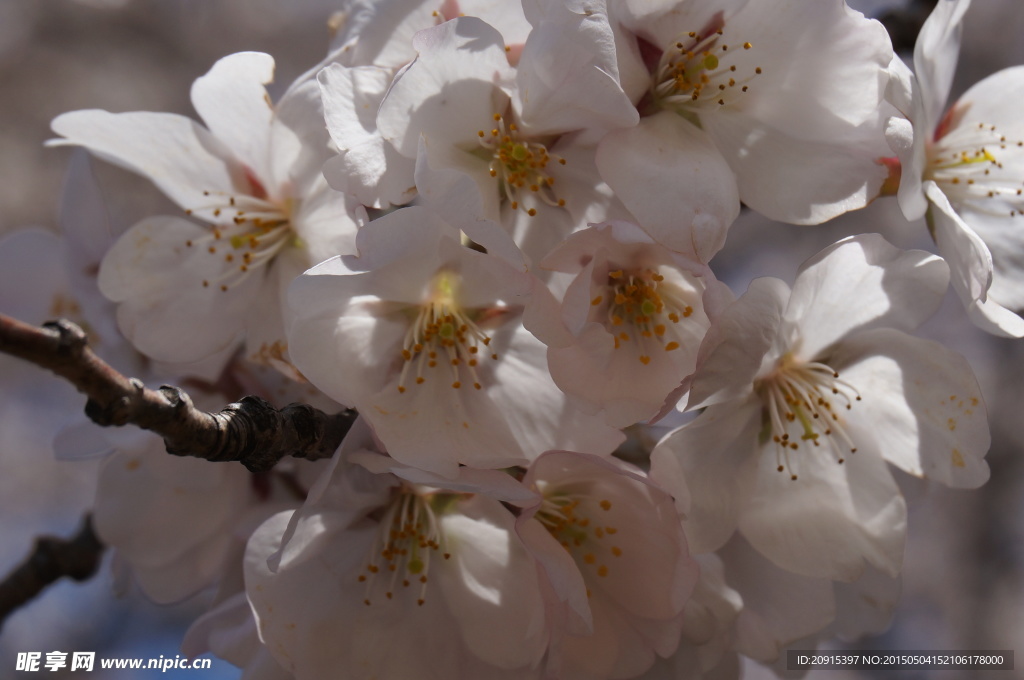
(178, 301)
(442, 94)
(493, 584)
(567, 73)
(800, 180)
(670, 176)
(832, 520)
(614, 650)
(935, 56)
(859, 283)
(645, 530)
(920, 408)
(369, 168)
(710, 467)
(779, 607)
(629, 547)
(177, 154)
(735, 346)
(661, 23)
(233, 102)
(568, 607)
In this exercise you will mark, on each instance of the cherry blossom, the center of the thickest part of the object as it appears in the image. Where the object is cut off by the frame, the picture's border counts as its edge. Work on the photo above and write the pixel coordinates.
(964, 170)
(773, 103)
(425, 338)
(397, 574)
(636, 320)
(187, 290)
(615, 560)
(808, 393)
(510, 134)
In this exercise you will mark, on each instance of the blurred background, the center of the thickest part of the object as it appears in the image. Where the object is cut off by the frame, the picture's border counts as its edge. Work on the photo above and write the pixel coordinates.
(963, 579)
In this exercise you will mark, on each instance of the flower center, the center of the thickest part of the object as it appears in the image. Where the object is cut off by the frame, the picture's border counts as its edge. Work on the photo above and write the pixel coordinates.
(644, 301)
(408, 536)
(519, 165)
(801, 405)
(580, 523)
(444, 332)
(700, 71)
(965, 163)
(254, 230)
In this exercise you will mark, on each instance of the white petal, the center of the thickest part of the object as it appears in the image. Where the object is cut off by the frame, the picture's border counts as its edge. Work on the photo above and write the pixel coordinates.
(734, 348)
(233, 102)
(436, 427)
(920, 406)
(992, 99)
(863, 282)
(444, 94)
(824, 66)
(833, 520)
(669, 174)
(793, 179)
(935, 57)
(177, 154)
(779, 607)
(158, 278)
(969, 258)
(567, 74)
(906, 139)
(369, 168)
(715, 457)
(458, 187)
(493, 584)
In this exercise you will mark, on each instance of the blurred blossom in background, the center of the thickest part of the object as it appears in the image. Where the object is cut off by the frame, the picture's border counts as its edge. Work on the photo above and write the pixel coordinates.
(963, 585)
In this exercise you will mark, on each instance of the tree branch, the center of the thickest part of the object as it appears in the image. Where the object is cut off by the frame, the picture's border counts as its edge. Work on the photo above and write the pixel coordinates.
(51, 559)
(251, 431)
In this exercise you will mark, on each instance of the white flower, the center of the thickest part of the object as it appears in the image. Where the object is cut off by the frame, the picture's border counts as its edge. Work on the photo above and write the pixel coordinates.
(635, 318)
(505, 136)
(771, 102)
(397, 575)
(425, 338)
(615, 561)
(808, 393)
(964, 170)
(189, 290)
(171, 519)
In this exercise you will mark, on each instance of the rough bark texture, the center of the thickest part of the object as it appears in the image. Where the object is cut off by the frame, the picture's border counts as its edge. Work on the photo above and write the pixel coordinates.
(50, 560)
(251, 431)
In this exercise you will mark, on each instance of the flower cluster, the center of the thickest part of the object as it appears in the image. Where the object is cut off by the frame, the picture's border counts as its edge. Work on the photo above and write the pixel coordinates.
(490, 227)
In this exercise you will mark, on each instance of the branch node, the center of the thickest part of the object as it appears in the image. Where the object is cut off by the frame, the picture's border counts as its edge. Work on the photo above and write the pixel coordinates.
(71, 339)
